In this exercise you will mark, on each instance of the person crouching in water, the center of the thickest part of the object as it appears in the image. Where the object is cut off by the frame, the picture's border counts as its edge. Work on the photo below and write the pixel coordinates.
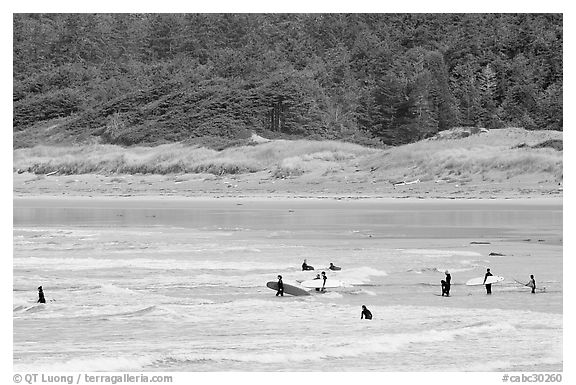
(306, 266)
(41, 298)
(280, 287)
(365, 313)
(318, 277)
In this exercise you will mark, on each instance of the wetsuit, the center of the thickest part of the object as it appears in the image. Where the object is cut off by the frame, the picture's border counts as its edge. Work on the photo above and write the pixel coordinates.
(532, 284)
(317, 277)
(41, 298)
(488, 285)
(324, 283)
(443, 283)
(447, 284)
(366, 313)
(280, 288)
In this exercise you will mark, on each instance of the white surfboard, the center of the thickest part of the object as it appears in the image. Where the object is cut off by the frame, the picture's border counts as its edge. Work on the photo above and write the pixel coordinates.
(317, 283)
(480, 280)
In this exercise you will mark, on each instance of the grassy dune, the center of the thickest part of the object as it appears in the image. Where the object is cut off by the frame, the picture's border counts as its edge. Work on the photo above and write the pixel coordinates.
(489, 156)
(279, 156)
(500, 162)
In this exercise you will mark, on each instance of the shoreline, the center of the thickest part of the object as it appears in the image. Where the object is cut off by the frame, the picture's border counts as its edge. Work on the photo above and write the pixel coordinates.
(539, 200)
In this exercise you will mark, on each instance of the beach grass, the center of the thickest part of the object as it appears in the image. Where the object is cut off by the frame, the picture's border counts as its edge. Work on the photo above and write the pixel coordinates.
(178, 158)
(496, 155)
(464, 158)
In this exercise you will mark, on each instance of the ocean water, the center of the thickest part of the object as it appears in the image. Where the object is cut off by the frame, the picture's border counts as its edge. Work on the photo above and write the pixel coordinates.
(180, 285)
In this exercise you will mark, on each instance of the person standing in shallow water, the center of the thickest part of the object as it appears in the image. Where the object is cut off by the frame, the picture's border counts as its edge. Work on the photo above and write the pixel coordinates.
(365, 313)
(532, 283)
(488, 285)
(41, 298)
(446, 289)
(280, 287)
(324, 283)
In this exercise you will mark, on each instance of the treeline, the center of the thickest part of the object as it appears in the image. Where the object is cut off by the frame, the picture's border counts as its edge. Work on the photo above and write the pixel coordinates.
(151, 78)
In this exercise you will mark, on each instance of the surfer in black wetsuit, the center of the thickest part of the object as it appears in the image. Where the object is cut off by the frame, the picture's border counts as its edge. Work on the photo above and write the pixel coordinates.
(324, 278)
(41, 298)
(446, 289)
(332, 267)
(489, 285)
(365, 313)
(532, 283)
(305, 266)
(318, 277)
(280, 287)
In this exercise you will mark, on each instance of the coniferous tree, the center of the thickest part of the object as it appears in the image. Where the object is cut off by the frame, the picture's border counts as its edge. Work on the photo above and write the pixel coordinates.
(394, 77)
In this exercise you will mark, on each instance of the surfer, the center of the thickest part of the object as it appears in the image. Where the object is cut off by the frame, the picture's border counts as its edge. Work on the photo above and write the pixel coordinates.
(280, 287)
(324, 278)
(318, 277)
(488, 285)
(41, 298)
(532, 283)
(365, 313)
(446, 284)
(306, 266)
(332, 267)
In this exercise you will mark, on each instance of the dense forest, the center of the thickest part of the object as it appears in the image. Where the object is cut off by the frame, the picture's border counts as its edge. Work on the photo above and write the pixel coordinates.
(375, 78)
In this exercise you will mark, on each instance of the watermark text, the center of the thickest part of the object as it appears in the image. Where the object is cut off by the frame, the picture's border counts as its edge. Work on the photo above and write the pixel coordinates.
(84, 378)
(532, 378)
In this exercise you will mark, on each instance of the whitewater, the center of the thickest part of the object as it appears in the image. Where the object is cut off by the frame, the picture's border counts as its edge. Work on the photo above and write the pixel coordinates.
(180, 285)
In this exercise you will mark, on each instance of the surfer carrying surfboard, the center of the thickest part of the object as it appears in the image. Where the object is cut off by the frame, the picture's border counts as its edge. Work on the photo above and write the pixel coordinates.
(280, 287)
(532, 283)
(324, 283)
(41, 298)
(488, 285)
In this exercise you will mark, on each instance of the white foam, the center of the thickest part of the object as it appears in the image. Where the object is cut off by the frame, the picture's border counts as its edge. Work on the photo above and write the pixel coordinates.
(90, 364)
(331, 294)
(356, 275)
(342, 347)
(89, 263)
(432, 253)
(501, 365)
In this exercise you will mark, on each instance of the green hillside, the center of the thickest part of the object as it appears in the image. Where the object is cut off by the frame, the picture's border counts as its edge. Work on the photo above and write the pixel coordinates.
(212, 79)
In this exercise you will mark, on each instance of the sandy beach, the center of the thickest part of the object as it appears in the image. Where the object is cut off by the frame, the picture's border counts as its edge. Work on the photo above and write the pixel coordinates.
(498, 164)
(262, 185)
